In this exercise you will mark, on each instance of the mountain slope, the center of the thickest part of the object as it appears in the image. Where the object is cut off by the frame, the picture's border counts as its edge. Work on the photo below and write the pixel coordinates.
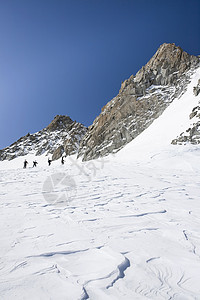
(125, 226)
(61, 136)
(192, 134)
(141, 99)
(159, 135)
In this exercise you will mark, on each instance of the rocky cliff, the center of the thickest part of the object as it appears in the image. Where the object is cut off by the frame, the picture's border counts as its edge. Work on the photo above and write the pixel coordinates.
(61, 136)
(142, 98)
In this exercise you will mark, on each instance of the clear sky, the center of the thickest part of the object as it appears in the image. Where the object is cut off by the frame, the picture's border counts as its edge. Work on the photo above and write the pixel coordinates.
(69, 56)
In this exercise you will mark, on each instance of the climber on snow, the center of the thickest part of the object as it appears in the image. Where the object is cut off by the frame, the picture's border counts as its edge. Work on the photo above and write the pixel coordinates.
(25, 163)
(49, 161)
(35, 163)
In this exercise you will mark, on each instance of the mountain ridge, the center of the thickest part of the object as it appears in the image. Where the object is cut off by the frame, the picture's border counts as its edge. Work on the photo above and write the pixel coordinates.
(141, 99)
(61, 137)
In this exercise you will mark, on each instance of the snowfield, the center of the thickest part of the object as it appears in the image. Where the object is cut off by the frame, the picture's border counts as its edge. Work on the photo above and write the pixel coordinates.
(122, 227)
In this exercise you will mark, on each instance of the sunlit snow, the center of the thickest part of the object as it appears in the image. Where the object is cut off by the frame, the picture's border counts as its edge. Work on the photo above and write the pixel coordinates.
(122, 227)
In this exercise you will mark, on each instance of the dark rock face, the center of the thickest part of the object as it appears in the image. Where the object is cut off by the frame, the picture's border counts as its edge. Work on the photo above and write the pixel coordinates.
(59, 122)
(192, 134)
(61, 136)
(141, 99)
(196, 89)
(58, 153)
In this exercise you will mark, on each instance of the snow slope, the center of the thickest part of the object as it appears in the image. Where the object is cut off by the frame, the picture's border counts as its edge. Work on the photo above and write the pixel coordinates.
(173, 121)
(122, 227)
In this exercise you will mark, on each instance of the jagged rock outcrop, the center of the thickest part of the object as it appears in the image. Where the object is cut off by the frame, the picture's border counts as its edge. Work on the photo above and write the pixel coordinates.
(61, 136)
(58, 153)
(196, 89)
(192, 134)
(141, 99)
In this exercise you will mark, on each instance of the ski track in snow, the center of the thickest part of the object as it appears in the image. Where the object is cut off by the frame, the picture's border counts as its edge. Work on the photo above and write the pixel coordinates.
(127, 229)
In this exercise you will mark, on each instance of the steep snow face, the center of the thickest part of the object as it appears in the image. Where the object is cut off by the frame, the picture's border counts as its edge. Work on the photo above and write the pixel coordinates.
(62, 134)
(122, 227)
(174, 120)
(192, 134)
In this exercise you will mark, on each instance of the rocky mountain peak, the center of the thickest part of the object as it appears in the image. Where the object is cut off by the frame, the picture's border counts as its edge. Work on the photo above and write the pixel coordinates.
(169, 55)
(59, 122)
(165, 67)
(142, 98)
(61, 137)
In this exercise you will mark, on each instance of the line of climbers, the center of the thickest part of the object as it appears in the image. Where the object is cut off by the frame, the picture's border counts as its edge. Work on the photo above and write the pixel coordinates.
(35, 162)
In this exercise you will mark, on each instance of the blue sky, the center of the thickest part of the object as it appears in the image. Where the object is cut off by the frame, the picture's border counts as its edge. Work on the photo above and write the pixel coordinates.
(69, 57)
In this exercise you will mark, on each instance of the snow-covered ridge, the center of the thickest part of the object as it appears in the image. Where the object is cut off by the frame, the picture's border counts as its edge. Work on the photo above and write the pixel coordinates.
(62, 135)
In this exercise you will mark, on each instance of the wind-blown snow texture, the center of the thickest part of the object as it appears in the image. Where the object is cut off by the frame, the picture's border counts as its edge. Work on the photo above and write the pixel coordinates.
(122, 227)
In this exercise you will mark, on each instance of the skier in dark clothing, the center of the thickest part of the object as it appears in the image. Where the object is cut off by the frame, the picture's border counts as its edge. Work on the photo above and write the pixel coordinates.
(25, 163)
(62, 160)
(35, 163)
(49, 161)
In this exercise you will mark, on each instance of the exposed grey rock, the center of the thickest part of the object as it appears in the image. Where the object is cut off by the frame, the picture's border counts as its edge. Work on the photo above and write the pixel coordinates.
(196, 89)
(60, 122)
(142, 98)
(62, 135)
(58, 153)
(192, 134)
